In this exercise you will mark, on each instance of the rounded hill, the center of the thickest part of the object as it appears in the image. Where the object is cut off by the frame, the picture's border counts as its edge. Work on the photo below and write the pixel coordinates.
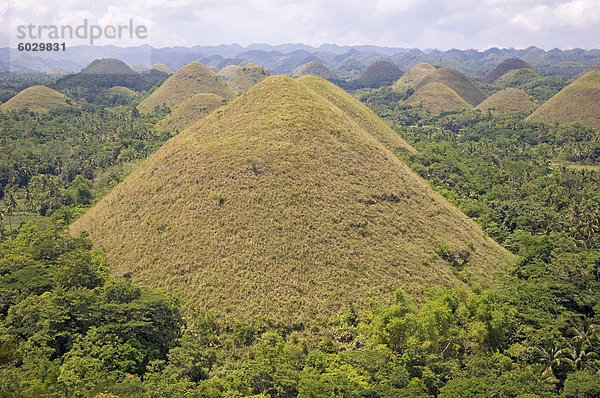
(229, 71)
(162, 68)
(108, 66)
(505, 66)
(121, 91)
(578, 102)
(379, 73)
(247, 77)
(457, 82)
(413, 76)
(194, 78)
(37, 99)
(508, 100)
(282, 206)
(190, 111)
(315, 68)
(435, 98)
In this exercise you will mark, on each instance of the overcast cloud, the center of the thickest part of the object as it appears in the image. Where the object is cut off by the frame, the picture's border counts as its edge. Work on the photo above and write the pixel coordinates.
(441, 24)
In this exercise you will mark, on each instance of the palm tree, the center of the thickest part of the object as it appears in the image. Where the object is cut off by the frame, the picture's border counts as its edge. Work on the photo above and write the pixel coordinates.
(585, 338)
(550, 356)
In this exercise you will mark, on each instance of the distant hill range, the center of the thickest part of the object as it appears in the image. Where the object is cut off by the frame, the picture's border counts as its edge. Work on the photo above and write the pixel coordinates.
(346, 61)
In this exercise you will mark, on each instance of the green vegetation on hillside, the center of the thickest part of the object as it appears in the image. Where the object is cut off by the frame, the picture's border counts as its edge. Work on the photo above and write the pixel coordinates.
(541, 88)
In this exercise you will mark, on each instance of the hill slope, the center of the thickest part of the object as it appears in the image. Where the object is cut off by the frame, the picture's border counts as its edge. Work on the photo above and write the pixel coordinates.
(505, 66)
(281, 206)
(194, 78)
(247, 77)
(457, 82)
(189, 111)
(162, 68)
(315, 68)
(436, 98)
(358, 111)
(578, 102)
(413, 76)
(37, 99)
(228, 71)
(541, 88)
(507, 101)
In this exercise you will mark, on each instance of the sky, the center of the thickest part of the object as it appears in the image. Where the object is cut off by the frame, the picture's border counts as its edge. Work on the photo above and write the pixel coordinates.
(441, 24)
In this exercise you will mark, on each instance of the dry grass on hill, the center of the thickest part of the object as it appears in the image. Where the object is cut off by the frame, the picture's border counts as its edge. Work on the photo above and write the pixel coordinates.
(578, 102)
(283, 205)
(37, 99)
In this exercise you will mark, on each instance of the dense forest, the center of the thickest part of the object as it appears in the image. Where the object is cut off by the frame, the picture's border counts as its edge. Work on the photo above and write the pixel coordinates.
(69, 329)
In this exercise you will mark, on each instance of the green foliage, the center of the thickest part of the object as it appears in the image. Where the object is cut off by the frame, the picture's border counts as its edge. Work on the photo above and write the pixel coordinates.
(67, 332)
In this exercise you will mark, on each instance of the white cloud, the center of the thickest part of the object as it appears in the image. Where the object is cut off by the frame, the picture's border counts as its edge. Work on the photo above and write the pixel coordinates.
(406, 23)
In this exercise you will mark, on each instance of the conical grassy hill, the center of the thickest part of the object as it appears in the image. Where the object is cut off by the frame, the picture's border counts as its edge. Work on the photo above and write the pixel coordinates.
(504, 67)
(37, 99)
(507, 101)
(282, 206)
(108, 66)
(436, 98)
(578, 102)
(121, 91)
(413, 76)
(194, 78)
(379, 73)
(228, 71)
(457, 82)
(247, 77)
(188, 112)
(315, 68)
(162, 68)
